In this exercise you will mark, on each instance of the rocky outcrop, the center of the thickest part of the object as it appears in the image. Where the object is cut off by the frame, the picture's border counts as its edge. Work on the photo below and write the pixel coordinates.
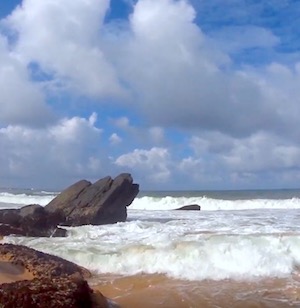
(44, 292)
(41, 264)
(58, 283)
(82, 203)
(31, 220)
(191, 207)
(103, 202)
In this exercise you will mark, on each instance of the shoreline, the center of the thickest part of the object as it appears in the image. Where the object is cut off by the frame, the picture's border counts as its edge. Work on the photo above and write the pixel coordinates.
(158, 290)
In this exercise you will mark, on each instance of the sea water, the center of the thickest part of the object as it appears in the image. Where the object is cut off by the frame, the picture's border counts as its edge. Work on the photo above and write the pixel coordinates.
(241, 250)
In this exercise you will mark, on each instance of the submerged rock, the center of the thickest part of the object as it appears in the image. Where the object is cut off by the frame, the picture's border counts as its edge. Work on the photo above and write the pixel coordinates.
(191, 207)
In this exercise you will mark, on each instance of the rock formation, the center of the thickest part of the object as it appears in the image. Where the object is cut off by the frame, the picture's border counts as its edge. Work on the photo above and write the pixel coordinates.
(103, 202)
(191, 207)
(57, 283)
(82, 203)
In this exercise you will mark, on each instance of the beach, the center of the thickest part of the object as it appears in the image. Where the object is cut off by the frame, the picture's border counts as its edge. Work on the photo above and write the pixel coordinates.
(240, 250)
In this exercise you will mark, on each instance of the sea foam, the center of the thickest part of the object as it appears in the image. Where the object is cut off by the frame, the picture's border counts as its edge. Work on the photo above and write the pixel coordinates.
(185, 245)
(210, 204)
(18, 200)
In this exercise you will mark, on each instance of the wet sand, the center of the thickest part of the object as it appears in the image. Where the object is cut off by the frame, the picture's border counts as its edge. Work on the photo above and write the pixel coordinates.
(160, 291)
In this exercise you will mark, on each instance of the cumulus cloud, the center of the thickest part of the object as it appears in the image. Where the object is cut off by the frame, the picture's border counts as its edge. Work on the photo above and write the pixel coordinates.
(63, 38)
(168, 70)
(261, 158)
(56, 155)
(115, 139)
(186, 81)
(149, 165)
(21, 101)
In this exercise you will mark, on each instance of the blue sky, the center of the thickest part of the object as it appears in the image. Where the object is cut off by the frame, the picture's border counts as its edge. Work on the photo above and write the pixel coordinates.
(182, 94)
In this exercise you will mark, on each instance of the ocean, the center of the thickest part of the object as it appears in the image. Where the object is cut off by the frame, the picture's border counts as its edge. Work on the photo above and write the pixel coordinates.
(241, 250)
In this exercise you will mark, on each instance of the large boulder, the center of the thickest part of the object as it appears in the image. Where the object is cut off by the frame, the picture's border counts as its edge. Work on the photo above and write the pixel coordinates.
(103, 202)
(82, 203)
(57, 283)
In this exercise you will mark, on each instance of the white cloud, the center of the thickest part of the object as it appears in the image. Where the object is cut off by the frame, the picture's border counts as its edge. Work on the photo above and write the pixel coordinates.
(260, 158)
(57, 155)
(150, 165)
(172, 75)
(115, 139)
(21, 101)
(63, 38)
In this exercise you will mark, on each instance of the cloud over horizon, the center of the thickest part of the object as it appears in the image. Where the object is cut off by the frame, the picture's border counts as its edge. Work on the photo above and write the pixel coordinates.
(159, 92)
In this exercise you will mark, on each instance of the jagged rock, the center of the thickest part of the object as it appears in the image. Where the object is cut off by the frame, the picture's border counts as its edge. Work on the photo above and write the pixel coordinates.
(191, 207)
(82, 203)
(103, 202)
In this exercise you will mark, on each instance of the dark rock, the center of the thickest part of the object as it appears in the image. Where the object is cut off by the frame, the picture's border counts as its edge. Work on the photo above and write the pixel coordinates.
(82, 203)
(10, 217)
(9, 230)
(37, 222)
(191, 207)
(31, 220)
(64, 201)
(59, 232)
(103, 202)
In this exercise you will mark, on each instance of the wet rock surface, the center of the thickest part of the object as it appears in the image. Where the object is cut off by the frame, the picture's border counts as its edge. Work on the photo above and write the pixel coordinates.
(57, 283)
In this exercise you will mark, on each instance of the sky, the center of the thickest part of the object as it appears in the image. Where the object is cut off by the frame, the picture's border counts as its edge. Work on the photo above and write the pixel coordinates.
(184, 95)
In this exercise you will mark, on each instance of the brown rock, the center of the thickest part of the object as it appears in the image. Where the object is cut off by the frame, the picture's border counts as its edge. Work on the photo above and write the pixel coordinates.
(58, 283)
(59, 292)
(42, 264)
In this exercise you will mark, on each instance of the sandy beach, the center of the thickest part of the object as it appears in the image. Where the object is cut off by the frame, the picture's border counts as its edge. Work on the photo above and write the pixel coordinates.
(149, 291)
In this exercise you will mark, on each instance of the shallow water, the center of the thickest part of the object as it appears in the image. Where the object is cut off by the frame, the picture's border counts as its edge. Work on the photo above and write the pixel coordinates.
(150, 291)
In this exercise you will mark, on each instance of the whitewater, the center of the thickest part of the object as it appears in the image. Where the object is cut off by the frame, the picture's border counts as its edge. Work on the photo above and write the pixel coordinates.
(243, 238)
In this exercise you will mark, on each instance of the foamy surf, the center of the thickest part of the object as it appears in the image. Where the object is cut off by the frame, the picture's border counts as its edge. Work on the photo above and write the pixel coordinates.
(211, 204)
(183, 245)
